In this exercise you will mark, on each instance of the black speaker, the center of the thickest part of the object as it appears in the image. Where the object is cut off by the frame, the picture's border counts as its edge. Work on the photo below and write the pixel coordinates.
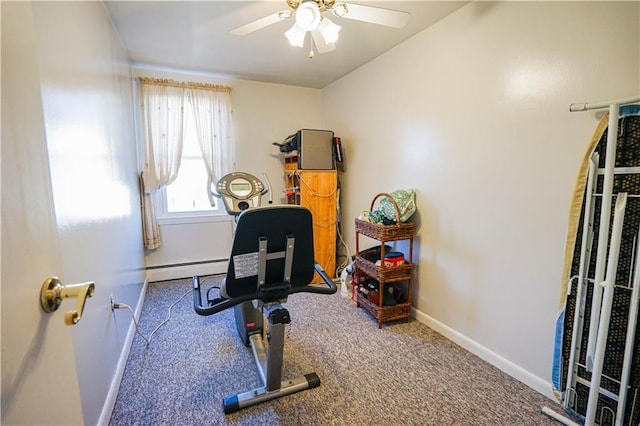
(315, 149)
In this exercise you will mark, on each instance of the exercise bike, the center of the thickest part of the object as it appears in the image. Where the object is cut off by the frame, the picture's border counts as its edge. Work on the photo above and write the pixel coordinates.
(271, 258)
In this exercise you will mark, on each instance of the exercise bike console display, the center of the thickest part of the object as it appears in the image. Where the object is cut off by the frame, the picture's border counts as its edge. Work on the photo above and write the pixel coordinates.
(240, 191)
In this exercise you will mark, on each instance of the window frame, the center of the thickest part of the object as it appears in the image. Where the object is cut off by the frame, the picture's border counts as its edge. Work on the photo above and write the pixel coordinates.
(164, 216)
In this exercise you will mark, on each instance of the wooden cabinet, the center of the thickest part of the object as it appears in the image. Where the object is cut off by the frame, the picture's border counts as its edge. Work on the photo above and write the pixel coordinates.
(317, 191)
(385, 275)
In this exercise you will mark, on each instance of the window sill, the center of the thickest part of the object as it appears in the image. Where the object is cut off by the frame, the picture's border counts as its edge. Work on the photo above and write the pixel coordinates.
(185, 220)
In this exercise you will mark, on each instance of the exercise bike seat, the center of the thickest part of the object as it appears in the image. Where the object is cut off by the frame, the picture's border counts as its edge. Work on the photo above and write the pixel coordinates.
(274, 225)
(288, 265)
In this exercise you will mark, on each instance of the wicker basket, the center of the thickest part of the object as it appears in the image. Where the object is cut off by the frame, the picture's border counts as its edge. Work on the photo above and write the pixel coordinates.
(400, 231)
(387, 274)
(401, 311)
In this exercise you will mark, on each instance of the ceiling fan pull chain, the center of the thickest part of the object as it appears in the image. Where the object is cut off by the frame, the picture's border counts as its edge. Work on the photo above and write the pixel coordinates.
(311, 52)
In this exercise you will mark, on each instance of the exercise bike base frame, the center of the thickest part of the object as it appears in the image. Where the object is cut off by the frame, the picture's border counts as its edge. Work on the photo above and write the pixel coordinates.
(268, 361)
(247, 399)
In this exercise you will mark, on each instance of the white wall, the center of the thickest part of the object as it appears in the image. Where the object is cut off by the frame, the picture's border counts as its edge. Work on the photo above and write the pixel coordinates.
(473, 114)
(263, 113)
(87, 103)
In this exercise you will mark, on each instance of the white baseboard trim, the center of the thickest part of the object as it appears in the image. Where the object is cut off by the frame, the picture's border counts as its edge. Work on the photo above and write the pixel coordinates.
(185, 271)
(536, 383)
(112, 394)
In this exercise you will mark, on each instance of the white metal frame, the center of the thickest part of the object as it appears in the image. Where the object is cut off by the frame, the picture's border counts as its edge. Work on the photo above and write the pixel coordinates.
(585, 255)
(605, 310)
(631, 333)
(586, 106)
(600, 318)
(603, 234)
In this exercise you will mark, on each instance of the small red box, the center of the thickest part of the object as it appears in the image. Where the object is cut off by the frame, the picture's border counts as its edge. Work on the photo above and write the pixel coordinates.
(394, 258)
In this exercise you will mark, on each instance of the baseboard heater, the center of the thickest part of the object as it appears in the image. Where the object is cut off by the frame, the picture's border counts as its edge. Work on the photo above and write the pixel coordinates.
(176, 265)
(175, 271)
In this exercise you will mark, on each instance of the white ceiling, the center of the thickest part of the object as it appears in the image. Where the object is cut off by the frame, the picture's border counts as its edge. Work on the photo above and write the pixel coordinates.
(194, 36)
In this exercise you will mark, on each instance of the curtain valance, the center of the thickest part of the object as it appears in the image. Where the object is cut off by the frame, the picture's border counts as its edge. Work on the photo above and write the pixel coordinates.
(184, 84)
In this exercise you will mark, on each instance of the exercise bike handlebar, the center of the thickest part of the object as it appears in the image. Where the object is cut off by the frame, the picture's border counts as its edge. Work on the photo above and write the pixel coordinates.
(220, 304)
(330, 289)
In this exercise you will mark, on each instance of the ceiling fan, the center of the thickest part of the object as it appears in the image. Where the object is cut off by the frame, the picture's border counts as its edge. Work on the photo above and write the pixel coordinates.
(311, 16)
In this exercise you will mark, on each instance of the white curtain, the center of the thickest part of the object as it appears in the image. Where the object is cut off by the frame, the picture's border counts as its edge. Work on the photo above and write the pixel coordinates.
(163, 134)
(214, 126)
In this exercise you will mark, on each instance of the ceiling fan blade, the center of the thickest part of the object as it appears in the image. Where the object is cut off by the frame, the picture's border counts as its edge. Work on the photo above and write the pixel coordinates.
(262, 22)
(375, 15)
(321, 45)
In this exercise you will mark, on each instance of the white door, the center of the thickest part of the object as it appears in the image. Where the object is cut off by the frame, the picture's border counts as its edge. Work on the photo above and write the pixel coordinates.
(39, 377)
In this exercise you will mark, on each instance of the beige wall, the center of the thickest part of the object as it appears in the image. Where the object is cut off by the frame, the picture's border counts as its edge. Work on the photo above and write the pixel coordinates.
(473, 114)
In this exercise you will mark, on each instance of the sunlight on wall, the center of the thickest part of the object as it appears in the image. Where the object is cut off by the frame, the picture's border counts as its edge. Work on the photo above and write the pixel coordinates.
(416, 145)
(85, 183)
(531, 78)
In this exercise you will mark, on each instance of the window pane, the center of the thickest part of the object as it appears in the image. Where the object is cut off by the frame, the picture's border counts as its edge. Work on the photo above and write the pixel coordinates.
(188, 193)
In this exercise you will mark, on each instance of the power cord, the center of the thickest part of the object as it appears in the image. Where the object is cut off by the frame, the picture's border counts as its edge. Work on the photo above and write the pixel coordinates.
(133, 316)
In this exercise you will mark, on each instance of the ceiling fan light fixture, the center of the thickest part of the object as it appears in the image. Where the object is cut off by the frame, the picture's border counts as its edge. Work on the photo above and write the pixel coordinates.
(329, 30)
(340, 9)
(308, 16)
(296, 35)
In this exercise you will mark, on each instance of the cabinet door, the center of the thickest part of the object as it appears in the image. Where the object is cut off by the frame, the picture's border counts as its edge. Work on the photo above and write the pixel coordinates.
(318, 192)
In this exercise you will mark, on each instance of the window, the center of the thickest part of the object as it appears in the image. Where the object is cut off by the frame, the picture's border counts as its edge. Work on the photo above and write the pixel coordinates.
(187, 194)
(175, 114)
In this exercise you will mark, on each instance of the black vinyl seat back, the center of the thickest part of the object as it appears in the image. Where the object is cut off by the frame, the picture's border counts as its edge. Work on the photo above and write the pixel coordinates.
(275, 224)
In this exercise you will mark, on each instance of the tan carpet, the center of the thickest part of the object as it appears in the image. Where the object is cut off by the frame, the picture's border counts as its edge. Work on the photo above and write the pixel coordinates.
(402, 374)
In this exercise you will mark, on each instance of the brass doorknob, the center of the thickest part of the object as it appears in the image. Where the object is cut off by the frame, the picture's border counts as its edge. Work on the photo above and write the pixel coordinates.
(53, 292)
